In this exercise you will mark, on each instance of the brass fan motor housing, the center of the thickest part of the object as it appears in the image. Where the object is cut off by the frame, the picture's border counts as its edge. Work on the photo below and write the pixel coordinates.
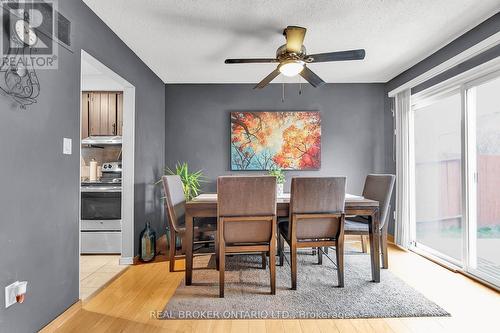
(282, 54)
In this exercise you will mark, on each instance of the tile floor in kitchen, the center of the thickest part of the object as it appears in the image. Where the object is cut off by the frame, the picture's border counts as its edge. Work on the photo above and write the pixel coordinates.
(96, 271)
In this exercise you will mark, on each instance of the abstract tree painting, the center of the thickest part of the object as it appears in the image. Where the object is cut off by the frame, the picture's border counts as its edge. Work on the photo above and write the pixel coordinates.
(267, 140)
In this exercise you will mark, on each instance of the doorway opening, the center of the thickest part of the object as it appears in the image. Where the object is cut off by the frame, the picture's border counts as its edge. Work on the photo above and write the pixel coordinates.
(106, 210)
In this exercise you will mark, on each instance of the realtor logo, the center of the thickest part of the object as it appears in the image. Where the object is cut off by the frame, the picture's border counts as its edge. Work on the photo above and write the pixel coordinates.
(28, 34)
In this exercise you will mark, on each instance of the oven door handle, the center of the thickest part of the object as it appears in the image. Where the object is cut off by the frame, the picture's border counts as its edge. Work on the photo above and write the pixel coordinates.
(92, 189)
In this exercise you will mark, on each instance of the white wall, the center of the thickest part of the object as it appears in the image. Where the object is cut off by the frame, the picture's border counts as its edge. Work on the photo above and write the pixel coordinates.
(99, 83)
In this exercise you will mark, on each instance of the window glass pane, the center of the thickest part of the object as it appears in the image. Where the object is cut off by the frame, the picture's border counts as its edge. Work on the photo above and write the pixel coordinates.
(488, 184)
(437, 129)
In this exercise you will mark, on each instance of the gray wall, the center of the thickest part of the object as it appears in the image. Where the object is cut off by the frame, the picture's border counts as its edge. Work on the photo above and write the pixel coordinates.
(353, 144)
(39, 185)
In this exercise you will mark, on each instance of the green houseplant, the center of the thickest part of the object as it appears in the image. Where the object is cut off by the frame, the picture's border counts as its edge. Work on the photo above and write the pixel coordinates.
(191, 184)
(280, 179)
(191, 181)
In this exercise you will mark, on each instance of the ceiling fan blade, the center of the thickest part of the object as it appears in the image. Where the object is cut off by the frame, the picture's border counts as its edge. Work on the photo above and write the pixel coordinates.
(336, 56)
(267, 79)
(250, 61)
(294, 38)
(311, 77)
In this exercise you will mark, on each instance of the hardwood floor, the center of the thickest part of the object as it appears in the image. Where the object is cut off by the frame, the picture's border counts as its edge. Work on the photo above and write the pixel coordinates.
(126, 305)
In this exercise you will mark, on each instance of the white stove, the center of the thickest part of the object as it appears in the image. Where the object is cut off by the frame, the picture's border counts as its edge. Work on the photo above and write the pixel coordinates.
(101, 211)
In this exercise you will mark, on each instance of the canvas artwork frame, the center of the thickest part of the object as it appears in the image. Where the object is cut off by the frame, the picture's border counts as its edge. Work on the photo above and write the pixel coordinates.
(265, 140)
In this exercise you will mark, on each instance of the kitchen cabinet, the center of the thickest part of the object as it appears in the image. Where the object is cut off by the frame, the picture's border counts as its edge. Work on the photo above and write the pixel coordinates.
(94, 114)
(102, 113)
(85, 115)
(119, 114)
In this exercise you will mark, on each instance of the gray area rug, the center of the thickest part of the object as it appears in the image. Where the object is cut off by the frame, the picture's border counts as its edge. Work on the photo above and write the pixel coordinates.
(247, 292)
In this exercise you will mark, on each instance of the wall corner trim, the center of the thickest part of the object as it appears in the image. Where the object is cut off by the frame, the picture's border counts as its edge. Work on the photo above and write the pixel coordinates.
(126, 260)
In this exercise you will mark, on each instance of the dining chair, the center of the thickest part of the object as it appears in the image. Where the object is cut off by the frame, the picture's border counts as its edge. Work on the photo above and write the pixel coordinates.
(316, 220)
(377, 187)
(175, 208)
(246, 220)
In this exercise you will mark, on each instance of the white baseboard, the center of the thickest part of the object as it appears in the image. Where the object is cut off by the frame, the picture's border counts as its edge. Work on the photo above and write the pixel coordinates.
(126, 261)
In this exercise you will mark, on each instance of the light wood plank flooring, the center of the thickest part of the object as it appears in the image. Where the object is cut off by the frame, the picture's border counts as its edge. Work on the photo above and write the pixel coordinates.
(125, 305)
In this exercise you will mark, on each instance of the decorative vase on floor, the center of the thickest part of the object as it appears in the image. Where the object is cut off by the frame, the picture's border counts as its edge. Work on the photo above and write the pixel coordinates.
(279, 190)
(148, 244)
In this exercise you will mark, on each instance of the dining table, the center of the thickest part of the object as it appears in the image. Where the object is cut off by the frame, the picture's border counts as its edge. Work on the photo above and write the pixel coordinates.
(205, 205)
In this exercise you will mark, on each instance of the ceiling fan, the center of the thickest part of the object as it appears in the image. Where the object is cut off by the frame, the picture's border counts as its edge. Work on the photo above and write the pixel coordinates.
(293, 58)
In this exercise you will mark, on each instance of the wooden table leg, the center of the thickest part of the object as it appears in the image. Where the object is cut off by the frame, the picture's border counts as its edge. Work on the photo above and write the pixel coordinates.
(374, 234)
(188, 241)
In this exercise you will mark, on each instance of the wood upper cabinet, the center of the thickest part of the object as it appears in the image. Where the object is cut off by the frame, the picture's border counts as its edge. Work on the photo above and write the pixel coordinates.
(85, 115)
(119, 114)
(104, 111)
(94, 114)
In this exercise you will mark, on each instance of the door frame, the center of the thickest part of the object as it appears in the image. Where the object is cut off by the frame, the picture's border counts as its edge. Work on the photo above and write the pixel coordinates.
(422, 101)
(128, 158)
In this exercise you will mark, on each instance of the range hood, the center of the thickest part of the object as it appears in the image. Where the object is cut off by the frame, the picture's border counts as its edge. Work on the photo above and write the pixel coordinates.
(102, 140)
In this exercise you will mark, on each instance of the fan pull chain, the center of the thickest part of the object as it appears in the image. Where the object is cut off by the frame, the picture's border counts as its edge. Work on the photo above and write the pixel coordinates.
(300, 86)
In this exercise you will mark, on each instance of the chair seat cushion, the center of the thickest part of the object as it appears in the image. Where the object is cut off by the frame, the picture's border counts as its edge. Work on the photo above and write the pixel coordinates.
(356, 226)
(358, 218)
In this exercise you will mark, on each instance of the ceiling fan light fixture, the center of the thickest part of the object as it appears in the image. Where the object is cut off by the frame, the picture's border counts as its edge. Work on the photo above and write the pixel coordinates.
(293, 57)
(291, 67)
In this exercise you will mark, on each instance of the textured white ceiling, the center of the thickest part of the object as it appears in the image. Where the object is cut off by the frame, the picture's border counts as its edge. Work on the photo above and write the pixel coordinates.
(187, 41)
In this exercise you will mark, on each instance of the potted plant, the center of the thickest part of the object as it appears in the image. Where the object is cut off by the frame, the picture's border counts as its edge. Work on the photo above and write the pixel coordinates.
(280, 179)
(191, 183)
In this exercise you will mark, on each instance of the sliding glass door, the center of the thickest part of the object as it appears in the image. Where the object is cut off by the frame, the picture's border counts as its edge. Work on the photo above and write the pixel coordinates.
(437, 174)
(483, 109)
(456, 176)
